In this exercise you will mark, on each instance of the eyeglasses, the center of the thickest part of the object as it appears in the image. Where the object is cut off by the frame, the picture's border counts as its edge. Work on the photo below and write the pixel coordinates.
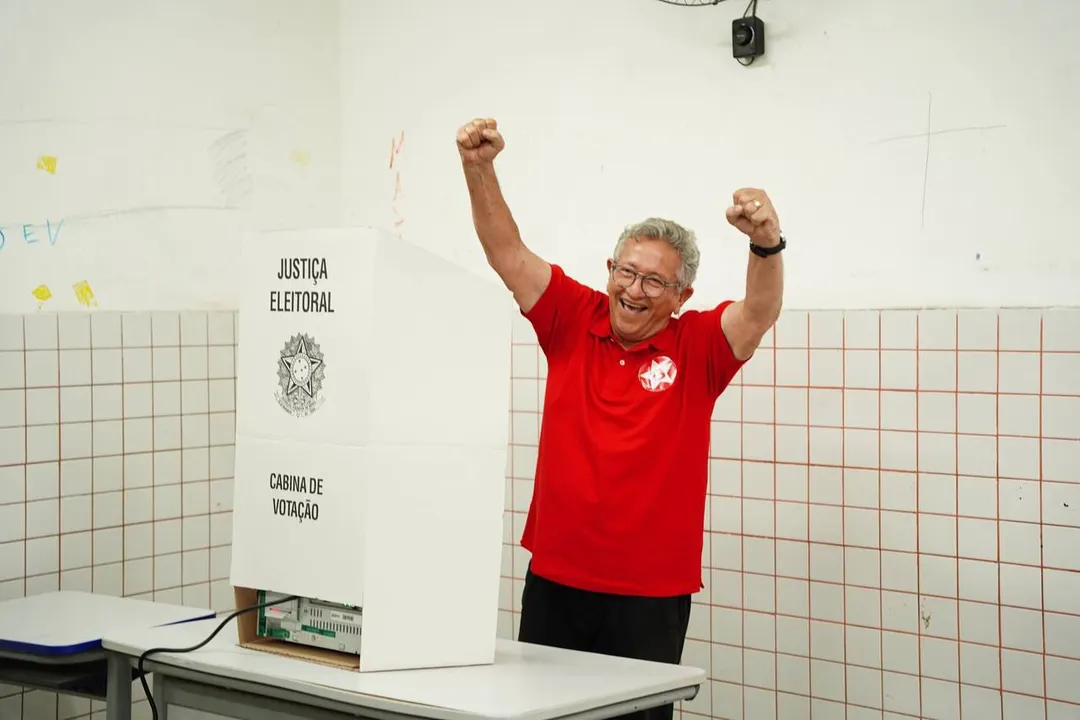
(651, 285)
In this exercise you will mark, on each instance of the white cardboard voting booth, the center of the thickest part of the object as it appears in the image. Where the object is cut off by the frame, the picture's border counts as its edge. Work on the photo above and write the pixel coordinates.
(372, 410)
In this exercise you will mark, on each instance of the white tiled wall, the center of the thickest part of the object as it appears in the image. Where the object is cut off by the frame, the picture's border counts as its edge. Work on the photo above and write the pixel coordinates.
(894, 520)
(116, 458)
(892, 529)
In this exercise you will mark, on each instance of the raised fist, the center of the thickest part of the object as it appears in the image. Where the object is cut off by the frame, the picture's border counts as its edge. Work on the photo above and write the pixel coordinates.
(479, 141)
(752, 212)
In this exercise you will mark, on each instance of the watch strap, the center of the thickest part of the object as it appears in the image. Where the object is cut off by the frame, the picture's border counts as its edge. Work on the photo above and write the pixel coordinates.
(761, 251)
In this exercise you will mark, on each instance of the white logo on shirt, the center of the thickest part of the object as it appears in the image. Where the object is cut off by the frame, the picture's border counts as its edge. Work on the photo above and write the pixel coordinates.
(658, 374)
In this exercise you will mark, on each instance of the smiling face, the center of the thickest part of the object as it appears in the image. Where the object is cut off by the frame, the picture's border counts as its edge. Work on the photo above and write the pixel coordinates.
(643, 307)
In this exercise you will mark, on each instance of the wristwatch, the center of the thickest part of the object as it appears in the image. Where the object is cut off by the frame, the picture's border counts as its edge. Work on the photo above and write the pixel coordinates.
(767, 251)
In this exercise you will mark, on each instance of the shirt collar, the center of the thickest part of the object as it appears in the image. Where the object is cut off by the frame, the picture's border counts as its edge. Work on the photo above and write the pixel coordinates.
(663, 341)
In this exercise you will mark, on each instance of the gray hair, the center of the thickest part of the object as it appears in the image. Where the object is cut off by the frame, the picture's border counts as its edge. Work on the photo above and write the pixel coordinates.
(681, 239)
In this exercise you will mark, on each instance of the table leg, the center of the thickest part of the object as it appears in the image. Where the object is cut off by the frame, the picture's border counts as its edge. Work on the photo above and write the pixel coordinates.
(118, 689)
(161, 697)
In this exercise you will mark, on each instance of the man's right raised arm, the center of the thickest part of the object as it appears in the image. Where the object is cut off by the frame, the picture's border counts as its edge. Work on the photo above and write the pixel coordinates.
(523, 272)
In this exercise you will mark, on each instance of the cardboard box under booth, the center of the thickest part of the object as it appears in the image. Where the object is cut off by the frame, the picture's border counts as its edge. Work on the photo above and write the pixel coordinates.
(372, 411)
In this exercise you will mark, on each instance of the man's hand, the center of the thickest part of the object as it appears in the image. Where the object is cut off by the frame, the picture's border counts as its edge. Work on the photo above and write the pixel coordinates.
(479, 142)
(753, 214)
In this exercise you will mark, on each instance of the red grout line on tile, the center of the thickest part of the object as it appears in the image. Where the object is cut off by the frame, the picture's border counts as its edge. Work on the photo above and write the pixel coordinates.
(775, 543)
(897, 431)
(926, 513)
(971, 351)
(915, 676)
(93, 532)
(997, 506)
(183, 444)
(26, 454)
(905, 431)
(157, 489)
(123, 479)
(881, 553)
(1042, 527)
(59, 452)
(711, 671)
(997, 519)
(742, 531)
(956, 505)
(508, 516)
(918, 534)
(932, 514)
(153, 473)
(843, 496)
(809, 531)
(908, 592)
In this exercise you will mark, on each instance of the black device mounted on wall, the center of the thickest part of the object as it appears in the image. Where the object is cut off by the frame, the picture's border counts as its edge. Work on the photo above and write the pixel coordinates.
(747, 38)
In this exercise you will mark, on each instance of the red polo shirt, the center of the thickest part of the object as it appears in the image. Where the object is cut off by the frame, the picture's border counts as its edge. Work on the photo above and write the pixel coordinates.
(619, 500)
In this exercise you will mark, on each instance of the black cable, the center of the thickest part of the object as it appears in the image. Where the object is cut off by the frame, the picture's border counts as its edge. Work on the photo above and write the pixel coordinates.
(211, 636)
(750, 11)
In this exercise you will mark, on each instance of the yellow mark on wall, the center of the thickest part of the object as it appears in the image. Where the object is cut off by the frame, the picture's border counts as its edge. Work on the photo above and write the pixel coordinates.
(301, 158)
(84, 294)
(42, 294)
(47, 163)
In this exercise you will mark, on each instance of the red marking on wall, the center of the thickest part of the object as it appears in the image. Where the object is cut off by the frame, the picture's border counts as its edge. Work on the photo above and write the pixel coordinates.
(396, 145)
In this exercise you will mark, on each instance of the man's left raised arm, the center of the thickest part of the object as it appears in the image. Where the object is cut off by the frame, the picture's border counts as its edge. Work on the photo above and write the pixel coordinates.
(747, 321)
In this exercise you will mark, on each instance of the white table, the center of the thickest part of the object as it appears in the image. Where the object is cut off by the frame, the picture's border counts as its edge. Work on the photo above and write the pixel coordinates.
(53, 642)
(526, 682)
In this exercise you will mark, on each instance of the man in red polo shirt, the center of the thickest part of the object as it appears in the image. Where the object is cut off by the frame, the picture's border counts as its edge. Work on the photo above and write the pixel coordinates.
(615, 525)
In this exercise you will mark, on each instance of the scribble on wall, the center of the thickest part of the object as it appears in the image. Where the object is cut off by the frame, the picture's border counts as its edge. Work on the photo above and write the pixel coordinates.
(47, 163)
(231, 172)
(32, 233)
(84, 294)
(396, 145)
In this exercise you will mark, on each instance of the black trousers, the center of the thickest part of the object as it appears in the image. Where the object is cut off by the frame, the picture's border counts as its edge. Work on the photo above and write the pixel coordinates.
(644, 628)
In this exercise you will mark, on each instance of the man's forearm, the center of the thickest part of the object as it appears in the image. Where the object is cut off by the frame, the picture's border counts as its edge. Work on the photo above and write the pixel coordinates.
(764, 290)
(495, 226)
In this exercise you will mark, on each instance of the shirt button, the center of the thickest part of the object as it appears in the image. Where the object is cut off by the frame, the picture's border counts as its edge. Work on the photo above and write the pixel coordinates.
(622, 362)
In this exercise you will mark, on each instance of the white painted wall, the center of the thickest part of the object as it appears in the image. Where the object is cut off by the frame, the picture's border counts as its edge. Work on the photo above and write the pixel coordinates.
(888, 526)
(175, 127)
(920, 153)
(178, 126)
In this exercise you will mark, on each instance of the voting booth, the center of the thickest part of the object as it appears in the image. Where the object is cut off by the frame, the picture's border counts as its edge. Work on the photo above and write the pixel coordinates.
(372, 411)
